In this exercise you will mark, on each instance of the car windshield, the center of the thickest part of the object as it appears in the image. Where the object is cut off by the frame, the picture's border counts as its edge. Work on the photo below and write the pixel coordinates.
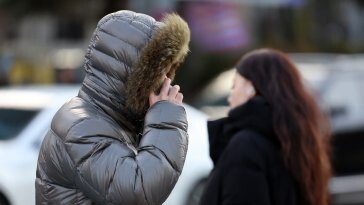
(14, 120)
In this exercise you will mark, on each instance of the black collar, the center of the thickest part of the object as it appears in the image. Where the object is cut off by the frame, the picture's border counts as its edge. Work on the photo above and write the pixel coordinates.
(254, 115)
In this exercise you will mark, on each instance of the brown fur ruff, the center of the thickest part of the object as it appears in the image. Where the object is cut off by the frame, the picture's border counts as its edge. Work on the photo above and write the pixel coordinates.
(162, 56)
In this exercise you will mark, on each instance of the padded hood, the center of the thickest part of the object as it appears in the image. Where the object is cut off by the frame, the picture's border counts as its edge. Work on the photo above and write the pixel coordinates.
(128, 57)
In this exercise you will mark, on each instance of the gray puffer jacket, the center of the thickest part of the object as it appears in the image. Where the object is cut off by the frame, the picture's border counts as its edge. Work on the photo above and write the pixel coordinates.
(106, 146)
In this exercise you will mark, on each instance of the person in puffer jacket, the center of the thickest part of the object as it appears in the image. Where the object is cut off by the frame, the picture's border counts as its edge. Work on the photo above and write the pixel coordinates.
(123, 139)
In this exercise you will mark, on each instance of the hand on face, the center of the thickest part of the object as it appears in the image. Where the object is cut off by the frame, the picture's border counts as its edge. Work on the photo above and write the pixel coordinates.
(168, 92)
(242, 91)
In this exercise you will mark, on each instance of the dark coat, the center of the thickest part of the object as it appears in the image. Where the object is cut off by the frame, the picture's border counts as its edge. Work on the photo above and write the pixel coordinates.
(97, 150)
(249, 168)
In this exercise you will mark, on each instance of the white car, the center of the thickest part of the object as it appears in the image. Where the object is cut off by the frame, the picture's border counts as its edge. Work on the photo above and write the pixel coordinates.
(25, 117)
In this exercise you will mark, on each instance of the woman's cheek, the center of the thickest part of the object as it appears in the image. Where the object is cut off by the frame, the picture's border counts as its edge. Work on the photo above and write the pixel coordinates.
(229, 100)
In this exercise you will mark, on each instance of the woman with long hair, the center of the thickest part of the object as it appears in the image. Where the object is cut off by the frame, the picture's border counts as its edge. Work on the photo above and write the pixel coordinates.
(273, 148)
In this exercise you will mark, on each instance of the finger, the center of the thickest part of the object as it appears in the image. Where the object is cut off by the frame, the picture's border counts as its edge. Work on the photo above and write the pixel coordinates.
(152, 95)
(179, 98)
(165, 87)
(173, 92)
(152, 98)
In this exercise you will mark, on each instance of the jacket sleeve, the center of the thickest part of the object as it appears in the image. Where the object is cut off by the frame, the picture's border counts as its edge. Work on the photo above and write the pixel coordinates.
(244, 180)
(110, 172)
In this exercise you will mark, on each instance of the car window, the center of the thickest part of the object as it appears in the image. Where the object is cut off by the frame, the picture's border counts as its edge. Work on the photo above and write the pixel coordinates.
(344, 99)
(13, 121)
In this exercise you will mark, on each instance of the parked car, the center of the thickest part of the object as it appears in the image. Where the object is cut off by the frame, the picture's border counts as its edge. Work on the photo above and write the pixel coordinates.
(337, 82)
(25, 117)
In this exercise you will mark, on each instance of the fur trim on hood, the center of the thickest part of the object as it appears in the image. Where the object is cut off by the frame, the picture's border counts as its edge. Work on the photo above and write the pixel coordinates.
(161, 56)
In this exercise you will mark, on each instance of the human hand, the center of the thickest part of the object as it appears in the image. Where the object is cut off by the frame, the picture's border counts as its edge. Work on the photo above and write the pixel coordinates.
(168, 92)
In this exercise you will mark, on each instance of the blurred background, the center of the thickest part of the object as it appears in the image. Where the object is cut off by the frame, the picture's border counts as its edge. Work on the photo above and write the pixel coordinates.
(43, 42)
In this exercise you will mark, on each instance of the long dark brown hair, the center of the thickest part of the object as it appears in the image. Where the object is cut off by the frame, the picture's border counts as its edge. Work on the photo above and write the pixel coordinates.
(301, 127)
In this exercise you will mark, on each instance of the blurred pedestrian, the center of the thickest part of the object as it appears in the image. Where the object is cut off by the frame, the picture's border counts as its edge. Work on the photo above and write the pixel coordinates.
(273, 146)
(122, 140)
